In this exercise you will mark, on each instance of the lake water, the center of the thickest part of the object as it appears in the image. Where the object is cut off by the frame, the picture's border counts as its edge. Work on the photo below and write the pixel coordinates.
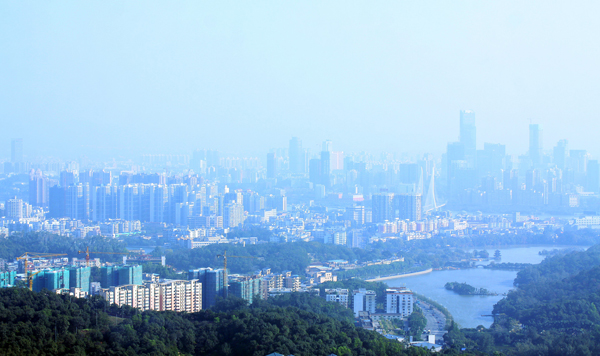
(468, 310)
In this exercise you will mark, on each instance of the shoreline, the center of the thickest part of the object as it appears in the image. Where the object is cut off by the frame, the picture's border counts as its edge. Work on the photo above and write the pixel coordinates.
(379, 279)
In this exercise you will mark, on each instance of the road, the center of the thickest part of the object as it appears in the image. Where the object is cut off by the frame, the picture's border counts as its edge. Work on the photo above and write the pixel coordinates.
(436, 321)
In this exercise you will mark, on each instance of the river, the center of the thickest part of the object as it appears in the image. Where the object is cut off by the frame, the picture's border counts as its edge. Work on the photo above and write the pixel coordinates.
(468, 310)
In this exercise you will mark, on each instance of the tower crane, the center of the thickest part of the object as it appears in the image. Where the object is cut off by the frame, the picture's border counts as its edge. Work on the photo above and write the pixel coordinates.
(87, 254)
(30, 279)
(224, 255)
(28, 255)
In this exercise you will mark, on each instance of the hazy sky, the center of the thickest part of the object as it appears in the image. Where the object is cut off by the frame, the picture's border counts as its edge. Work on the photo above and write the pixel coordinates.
(138, 77)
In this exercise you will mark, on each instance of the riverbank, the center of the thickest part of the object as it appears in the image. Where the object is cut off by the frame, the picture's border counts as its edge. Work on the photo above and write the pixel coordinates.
(379, 279)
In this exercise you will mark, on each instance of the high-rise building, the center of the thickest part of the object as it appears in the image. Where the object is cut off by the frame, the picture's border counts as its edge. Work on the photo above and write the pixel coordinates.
(213, 284)
(57, 279)
(337, 160)
(16, 150)
(79, 277)
(233, 215)
(67, 178)
(490, 161)
(198, 161)
(326, 168)
(38, 189)
(100, 178)
(57, 207)
(408, 173)
(120, 275)
(337, 295)
(408, 206)
(296, 153)
(399, 301)
(173, 295)
(593, 176)
(77, 202)
(468, 135)
(536, 144)
(7, 279)
(245, 287)
(14, 209)
(561, 154)
(271, 165)
(364, 300)
(382, 207)
(314, 171)
(180, 296)
(130, 275)
(455, 158)
(358, 215)
(212, 158)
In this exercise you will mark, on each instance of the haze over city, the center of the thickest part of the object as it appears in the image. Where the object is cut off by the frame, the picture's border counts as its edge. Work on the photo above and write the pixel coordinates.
(105, 80)
(299, 178)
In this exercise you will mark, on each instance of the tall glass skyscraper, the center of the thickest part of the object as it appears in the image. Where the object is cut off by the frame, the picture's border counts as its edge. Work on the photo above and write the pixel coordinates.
(468, 135)
(535, 143)
(296, 153)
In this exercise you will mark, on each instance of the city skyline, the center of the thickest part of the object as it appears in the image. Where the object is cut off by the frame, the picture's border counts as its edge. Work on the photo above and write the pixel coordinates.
(175, 78)
(296, 152)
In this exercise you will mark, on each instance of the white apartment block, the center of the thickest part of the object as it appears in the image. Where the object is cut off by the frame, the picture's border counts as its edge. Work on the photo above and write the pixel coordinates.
(399, 301)
(174, 295)
(364, 300)
(337, 295)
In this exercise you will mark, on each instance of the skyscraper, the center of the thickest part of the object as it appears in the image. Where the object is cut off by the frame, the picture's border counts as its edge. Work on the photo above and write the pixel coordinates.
(408, 206)
(297, 161)
(271, 165)
(326, 168)
(57, 202)
(561, 154)
(16, 150)
(468, 135)
(535, 144)
(382, 207)
(455, 158)
(38, 189)
(314, 171)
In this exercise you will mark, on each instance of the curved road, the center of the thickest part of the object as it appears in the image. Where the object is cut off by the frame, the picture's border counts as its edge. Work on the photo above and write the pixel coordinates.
(436, 321)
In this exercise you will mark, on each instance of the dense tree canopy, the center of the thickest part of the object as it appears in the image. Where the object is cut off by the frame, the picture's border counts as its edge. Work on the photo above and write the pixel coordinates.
(554, 310)
(16, 244)
(49, 324)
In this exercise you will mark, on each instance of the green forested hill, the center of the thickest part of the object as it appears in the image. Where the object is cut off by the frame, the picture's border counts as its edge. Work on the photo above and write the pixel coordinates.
(554, 310)
(49, 324)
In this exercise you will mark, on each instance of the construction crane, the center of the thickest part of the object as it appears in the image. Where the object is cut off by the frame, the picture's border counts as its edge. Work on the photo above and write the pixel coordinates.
(30, 279)
(87, 254)
(28, 255)
(224, 255)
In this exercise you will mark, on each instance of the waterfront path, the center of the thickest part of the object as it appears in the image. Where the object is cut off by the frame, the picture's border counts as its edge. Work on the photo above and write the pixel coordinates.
(379, 279)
